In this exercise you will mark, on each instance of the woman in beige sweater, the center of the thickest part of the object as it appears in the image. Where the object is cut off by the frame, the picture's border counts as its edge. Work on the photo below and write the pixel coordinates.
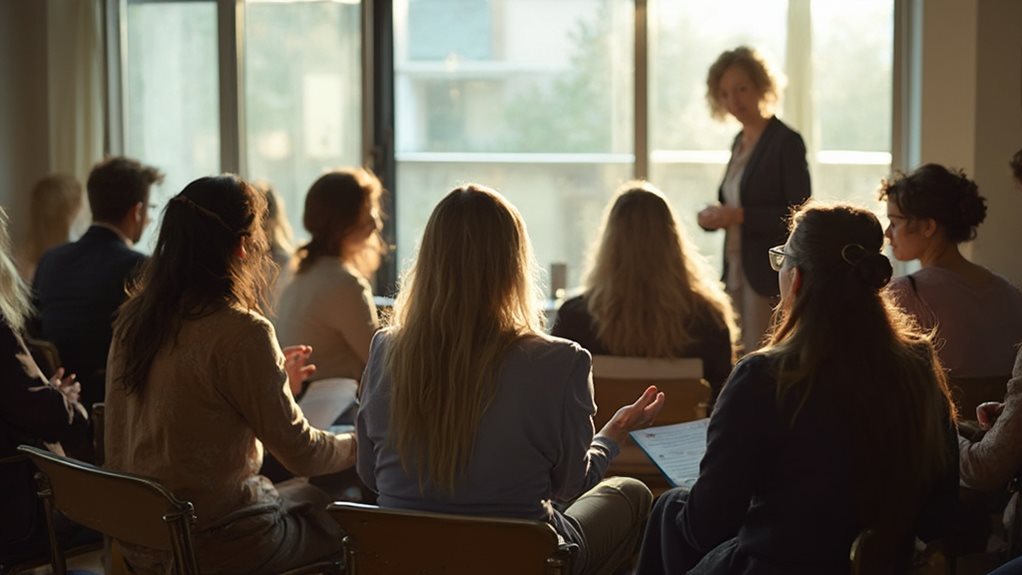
(197, 385)
(329, 303)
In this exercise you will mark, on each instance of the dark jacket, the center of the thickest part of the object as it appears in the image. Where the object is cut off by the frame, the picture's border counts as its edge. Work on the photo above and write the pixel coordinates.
(711, 340)
(773, 497)
(775, 180)
(78, 288)
(31, 412)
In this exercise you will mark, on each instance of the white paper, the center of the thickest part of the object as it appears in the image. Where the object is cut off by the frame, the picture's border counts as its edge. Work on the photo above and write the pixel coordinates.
(676, 449)
(326, 399)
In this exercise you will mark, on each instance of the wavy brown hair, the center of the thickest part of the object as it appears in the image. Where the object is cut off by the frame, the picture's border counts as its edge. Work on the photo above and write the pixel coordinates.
(763, 77)
(644, 290)
(195, 270)
(841, 334)
(469, 296)
(333, 206)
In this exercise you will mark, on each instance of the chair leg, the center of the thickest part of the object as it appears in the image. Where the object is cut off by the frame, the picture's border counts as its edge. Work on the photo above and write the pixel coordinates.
(57, 560)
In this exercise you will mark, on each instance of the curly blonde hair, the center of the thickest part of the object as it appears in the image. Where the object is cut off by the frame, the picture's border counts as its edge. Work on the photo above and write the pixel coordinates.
(766, 80)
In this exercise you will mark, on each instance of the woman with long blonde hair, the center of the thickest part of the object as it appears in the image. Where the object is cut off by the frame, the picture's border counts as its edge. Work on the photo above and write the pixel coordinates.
(646, 295)
(842, 423)
(467, 408)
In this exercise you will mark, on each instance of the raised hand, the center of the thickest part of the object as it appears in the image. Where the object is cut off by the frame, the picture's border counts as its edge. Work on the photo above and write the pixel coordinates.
(637, 415)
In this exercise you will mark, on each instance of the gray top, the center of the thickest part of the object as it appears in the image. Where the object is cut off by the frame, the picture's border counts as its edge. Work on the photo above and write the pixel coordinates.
(977, 327)
(535, 442)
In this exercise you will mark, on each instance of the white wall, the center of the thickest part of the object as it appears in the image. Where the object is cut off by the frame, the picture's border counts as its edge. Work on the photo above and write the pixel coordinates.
(972, 112)
(998, 134)
(24, 143)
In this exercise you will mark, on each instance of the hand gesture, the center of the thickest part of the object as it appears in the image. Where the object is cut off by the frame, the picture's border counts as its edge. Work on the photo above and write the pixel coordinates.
(71, 389)
(297, 370)
(987, 413)
(719, 216)
(638, 415)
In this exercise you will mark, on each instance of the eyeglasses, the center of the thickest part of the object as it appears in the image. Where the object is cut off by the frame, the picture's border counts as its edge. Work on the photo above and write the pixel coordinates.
(776, 255)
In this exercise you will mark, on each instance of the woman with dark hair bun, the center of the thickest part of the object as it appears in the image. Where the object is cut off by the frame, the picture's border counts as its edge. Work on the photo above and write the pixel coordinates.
(977, 314)
(841, 423)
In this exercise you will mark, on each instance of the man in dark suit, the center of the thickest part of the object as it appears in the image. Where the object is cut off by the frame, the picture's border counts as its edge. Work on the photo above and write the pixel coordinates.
(79, 286)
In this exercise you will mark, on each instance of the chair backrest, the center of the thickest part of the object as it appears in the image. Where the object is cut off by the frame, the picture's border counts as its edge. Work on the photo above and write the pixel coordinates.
(398, 542)
(126, 507)
(45, 355)
(969, 392)
(618, 381)
(878, 552)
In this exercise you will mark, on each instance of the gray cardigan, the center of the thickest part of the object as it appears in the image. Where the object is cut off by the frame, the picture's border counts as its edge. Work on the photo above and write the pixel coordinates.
(535, 442)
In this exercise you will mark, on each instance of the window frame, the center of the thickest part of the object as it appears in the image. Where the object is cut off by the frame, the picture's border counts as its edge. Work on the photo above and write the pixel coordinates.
(378, 95)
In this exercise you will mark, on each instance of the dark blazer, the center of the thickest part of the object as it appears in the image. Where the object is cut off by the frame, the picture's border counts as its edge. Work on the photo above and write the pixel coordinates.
(711, 340)
(31, 412)
(78, 288)
(775, 179)
(774, 497)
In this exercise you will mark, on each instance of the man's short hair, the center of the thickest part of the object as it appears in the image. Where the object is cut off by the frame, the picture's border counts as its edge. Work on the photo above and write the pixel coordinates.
(116, 184)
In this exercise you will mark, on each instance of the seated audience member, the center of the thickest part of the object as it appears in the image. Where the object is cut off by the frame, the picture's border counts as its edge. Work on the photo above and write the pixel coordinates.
(79, 286)
(977, 313)
(33, 411)
(329, 303)
(280, 237)
(467, 408)
(56, 202)
(645, 297)
(842, 423)
(197, 385)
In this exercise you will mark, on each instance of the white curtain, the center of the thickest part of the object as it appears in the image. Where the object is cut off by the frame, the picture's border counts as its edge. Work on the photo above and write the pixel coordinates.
(75, 86)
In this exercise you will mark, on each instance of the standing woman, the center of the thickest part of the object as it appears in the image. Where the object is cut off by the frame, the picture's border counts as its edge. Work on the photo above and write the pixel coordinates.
(977, 314)
(841, 424)
(197, 387)
(646, 295)
(766, 177)
(467, 408)
(329, 303)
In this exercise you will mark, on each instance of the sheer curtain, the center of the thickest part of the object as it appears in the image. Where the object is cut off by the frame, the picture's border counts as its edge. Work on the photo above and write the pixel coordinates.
(75, 86)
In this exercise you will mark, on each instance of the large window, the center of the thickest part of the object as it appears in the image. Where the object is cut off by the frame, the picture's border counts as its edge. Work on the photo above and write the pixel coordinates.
(303, 97)
(836, 58)
(172, 116)
(531, 97)
(536, 98)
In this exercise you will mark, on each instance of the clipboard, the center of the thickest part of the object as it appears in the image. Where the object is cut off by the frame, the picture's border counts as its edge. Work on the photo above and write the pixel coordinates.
(675, 449)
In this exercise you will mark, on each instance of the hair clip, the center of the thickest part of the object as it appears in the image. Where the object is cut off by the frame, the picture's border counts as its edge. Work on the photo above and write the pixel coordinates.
(848, 260)
(203, 210)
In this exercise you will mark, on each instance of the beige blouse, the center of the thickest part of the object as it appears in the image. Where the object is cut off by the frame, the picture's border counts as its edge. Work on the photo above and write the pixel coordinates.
(330, 307)
(211, 402)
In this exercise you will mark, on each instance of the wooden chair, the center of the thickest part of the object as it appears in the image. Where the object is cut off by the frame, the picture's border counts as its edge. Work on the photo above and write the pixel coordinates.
(123, 507)
(618, 381)
(45, 355)
(877, 552)
(398, 542)
(969, 392)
